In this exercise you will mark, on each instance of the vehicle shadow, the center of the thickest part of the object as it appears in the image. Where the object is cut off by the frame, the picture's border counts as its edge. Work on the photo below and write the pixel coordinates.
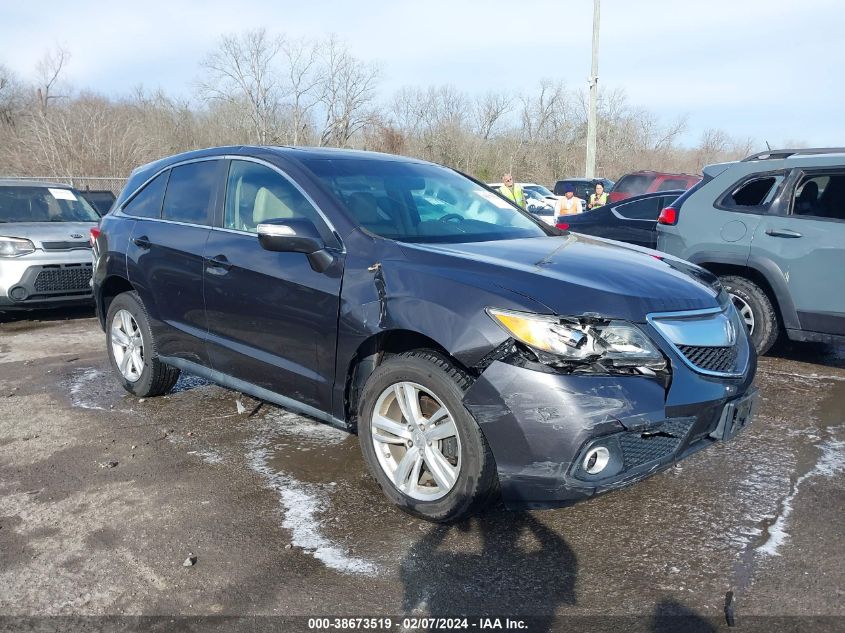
(828, 355)
(55, 314)
(498, 564)
(672, 617)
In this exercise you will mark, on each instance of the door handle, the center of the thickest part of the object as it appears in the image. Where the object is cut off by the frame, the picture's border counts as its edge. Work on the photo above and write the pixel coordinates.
(782, 233)
(218, 265)
(142, 242)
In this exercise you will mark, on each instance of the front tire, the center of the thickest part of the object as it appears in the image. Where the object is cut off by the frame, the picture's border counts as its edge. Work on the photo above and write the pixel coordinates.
(756, 310)
(132, 350)
(420, 443)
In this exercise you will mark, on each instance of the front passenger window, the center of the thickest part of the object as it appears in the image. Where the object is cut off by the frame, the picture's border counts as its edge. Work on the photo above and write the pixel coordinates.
(256, 194)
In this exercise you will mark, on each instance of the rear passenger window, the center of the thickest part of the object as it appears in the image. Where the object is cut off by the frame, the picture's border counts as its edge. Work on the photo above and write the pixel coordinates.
(255, 194)
(757, 192)
(821, 196)
(633, 185)
(190, 193)
(640, 209)
(673, 183)
(147, 202)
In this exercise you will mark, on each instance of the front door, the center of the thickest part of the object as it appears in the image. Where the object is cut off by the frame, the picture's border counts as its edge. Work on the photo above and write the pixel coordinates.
(272, 319)
(808, 244)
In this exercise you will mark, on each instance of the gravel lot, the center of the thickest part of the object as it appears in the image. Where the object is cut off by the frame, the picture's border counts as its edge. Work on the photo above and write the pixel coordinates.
(103, 496)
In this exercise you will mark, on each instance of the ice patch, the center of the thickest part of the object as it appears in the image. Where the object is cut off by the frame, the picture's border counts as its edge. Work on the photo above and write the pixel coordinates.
(290, 424)
(208, 456)
(302, 504)
(831, 462)
(79, 386)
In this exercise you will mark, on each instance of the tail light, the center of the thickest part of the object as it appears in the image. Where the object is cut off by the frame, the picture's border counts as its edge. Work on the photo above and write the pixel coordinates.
(95, 233)
(669, 216)
(563, 226)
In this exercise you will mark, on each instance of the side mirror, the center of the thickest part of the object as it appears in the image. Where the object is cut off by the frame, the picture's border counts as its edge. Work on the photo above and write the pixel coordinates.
(296, 236)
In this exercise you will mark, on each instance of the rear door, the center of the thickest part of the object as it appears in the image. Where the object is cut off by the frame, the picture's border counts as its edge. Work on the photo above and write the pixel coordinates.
(635, 221)
(272, 318)
(808, 245)
(165, 258)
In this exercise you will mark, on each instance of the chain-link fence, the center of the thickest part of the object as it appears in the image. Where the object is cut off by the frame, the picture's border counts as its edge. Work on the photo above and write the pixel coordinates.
(82, 183)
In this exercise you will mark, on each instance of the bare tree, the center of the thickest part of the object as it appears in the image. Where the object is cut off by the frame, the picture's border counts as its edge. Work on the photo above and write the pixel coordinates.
(348, 87)
(11, 96)
(242, 72)
(303, 84)
(49, 69)
(489, 111)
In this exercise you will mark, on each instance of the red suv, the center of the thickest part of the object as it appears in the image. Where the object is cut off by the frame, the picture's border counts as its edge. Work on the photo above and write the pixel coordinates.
(640, 182)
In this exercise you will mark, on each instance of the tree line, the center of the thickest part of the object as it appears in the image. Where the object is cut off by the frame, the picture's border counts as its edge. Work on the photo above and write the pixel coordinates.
(261, 88)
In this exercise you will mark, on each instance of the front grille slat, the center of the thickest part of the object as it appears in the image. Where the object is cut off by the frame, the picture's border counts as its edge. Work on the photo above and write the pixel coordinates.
(720, 359)
(63, 279)
(65, 246)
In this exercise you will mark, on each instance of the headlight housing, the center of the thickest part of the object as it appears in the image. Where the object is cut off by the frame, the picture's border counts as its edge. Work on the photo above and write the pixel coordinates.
(15, 246)
(582, 340)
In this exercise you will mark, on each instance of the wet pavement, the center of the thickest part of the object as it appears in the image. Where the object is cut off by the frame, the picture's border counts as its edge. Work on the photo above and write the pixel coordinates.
(104, 495)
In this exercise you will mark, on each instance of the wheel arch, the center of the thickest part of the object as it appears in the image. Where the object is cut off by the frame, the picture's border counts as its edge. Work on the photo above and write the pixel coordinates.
(763, 272)
(111, 287)
(372, 352)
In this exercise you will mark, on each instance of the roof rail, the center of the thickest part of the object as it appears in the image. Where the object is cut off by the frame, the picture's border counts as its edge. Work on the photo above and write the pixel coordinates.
(770, 154)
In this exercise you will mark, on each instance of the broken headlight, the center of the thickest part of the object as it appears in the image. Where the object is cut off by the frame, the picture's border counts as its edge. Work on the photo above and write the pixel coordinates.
(582, 340)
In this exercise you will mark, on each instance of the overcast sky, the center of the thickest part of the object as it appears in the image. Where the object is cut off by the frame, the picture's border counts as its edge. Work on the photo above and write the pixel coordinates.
(768, 69)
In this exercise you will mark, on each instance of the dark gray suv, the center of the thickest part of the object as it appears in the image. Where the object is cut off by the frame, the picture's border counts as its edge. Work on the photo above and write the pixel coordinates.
(772, 227)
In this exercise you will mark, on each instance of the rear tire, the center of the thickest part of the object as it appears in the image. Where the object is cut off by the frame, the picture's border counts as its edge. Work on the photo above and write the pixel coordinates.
(749, 296)
(437, 386)
(132, 350)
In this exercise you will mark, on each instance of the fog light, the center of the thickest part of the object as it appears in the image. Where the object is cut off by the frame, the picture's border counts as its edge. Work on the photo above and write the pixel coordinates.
(18, 293)
(596, 460)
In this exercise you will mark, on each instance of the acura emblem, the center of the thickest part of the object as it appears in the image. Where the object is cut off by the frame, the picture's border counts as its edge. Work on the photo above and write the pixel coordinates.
(76, 236)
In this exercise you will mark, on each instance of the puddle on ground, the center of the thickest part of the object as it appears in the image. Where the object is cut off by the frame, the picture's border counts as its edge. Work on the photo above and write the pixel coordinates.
(815, 450)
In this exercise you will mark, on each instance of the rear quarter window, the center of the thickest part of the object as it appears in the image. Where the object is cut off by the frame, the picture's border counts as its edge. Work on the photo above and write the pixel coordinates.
(753, 192)
(147, 202)
(633, 184)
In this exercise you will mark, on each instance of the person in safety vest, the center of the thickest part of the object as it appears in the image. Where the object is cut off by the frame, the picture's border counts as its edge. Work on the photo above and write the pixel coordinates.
(569, 204)
(599, 198)
(511, 191)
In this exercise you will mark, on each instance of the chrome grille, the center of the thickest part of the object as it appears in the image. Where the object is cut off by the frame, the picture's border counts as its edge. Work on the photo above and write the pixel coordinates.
(64, 279)
(721, 359)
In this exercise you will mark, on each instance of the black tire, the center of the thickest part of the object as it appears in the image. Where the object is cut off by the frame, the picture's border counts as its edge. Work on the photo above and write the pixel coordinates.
(766, 327)
(477, 481)
(156, 378)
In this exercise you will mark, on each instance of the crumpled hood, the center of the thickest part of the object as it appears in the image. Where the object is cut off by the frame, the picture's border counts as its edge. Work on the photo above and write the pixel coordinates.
(577, 274)
(39, 232)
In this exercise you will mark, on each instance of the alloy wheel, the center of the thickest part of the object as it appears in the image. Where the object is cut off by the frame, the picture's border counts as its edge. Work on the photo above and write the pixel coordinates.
(745, 312)
(416, 441)
(127, 345)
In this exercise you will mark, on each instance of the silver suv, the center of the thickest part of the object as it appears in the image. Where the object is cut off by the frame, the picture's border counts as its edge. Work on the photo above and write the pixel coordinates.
(772, 227)
(45, 250)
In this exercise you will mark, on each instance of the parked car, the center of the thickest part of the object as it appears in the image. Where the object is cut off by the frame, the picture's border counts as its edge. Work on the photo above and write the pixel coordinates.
(539, 201)
(45, 255)
(582, 187)
(640, 182)
(633, 220)
(101, 200)
(772, 226)
(474, 351)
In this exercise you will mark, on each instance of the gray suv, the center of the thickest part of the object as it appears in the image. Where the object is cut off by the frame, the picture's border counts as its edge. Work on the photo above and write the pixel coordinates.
(45, 249)
(772, 227)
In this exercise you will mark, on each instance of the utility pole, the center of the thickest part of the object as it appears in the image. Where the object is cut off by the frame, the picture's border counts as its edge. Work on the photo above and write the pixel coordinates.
(590, 169)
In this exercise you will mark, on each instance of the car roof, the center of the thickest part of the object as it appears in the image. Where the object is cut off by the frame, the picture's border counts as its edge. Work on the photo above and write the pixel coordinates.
(649, 172)
(645, 196)
(17, 182)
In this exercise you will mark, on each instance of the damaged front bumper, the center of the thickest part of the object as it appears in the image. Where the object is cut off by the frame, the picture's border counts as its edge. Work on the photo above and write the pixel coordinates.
(543, 427)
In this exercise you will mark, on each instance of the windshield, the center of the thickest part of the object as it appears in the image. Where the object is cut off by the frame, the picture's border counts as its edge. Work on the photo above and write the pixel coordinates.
(415, 202)
(540, 189)
(44, 204)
